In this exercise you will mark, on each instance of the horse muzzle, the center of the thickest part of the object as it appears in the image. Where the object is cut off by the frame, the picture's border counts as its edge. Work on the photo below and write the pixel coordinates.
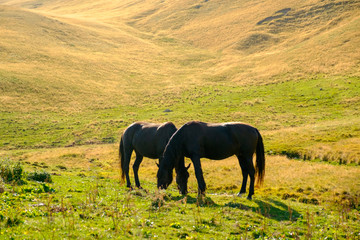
(183, 192)
(162, 186)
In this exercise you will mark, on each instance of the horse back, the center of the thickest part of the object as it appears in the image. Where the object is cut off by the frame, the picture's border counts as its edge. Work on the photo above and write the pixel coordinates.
(150, 139)
(219, 141)
(244, 135)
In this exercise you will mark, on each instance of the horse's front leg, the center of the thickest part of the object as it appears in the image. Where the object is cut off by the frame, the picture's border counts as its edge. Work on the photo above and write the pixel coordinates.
(136, 166)
(199, 175)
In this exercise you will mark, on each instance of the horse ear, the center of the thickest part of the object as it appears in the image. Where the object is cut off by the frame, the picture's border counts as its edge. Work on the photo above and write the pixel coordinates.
(188, 166)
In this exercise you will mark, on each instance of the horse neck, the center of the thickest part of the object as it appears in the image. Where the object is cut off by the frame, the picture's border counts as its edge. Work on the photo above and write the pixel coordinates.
(173, 151)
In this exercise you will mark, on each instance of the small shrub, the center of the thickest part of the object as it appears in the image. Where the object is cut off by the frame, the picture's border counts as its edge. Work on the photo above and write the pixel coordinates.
(309, 200)
(11, 222)
(183, 235)
(41, 176)
(289, 195)
(176, 225)
(147, 234)
(61, 167)
(47, 188)
(11, 172)
(291, 154)
(108, 140)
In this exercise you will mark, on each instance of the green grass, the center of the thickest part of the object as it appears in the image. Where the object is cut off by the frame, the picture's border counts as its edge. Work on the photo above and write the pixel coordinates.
(87, 206)
(295, 117)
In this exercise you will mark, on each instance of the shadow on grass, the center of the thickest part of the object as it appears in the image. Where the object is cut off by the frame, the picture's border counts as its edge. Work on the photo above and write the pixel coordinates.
(202, 201)
(270, 209)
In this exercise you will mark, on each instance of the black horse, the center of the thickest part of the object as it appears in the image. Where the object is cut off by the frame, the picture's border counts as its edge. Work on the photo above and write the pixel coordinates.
(197, 140)
(148, 140)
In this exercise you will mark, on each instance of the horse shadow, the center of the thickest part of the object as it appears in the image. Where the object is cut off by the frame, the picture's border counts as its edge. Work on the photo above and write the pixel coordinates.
(201, 201)
(268, 208)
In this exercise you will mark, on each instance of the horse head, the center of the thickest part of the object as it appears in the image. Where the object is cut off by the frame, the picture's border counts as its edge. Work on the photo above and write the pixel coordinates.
(164, 178)
(182, 177)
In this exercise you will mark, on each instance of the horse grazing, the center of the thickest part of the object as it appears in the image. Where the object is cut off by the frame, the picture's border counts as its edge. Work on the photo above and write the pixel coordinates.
(147, 140)
(197, 140)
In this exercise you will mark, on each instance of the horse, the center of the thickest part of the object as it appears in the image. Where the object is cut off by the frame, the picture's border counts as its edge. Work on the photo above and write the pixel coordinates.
(147, 140)
(197, 140)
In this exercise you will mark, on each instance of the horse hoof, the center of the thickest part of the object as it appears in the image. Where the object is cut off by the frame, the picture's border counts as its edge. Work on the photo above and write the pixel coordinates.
(249, 198)
(201, 195)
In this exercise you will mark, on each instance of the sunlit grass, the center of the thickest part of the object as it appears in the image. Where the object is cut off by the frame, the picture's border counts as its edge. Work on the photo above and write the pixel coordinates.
(290, 203)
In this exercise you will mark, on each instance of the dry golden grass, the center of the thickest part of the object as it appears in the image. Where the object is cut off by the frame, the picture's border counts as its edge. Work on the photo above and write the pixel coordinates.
(76, 63)
(93, 54)
(78, 159)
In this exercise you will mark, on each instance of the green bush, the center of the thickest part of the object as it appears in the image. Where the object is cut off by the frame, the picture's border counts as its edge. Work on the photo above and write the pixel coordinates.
(13, 221)
(11, 172)
(41, 176)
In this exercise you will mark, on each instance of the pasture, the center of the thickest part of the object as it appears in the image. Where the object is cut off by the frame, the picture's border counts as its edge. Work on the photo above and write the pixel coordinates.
(74, 74)
(86, 201)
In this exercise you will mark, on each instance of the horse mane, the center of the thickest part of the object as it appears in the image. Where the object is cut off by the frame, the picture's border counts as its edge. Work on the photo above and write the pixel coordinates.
(173, 151)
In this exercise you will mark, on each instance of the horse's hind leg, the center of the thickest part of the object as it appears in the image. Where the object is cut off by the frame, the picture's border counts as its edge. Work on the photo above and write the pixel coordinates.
(136, 166)
(127, 157)
(251, 171)
(245, 174)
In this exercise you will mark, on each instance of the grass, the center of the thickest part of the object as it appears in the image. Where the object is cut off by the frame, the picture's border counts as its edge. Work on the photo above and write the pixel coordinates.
(85, 203)
(309, 119)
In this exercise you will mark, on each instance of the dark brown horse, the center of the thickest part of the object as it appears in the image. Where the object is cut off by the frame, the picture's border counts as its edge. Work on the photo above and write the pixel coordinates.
(147, 140)
(197, 140)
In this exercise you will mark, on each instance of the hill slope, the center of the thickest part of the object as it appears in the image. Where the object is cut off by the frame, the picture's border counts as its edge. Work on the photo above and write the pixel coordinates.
(59, 61)
(91, 47)
(74, 72)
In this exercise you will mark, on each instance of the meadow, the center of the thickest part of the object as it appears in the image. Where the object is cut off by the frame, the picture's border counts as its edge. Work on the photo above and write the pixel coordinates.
(74, 74)
(86, 201)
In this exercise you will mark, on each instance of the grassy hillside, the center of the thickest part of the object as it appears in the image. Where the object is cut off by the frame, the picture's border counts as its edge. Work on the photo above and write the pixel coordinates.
(57, 65)
(79, 72)
(74, 74)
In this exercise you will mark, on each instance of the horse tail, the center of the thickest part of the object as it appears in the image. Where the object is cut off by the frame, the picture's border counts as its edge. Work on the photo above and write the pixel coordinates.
(260, 159)
(121, 158)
